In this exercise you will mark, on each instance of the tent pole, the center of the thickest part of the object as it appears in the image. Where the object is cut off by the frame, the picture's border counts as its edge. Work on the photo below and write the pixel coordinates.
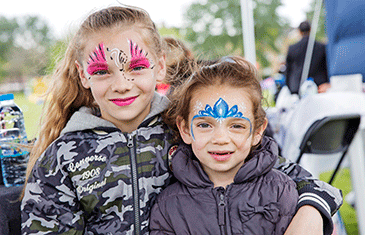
(311, 40)
(248, 31)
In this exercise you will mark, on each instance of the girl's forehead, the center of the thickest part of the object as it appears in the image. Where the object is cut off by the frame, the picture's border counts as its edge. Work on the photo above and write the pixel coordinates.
(112, 38)
(213, 96)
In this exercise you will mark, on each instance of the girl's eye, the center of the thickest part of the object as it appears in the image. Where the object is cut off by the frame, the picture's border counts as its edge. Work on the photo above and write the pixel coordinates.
(138, 68)
(100, 72)
(98, 69)
(203, 125)
(238, 126)
(139, 64)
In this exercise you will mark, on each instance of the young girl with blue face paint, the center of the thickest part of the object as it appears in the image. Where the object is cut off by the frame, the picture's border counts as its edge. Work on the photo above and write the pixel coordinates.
(226, 181)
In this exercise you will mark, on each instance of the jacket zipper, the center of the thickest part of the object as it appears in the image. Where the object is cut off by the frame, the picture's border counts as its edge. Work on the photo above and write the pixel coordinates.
(130, 145)
(221, 212)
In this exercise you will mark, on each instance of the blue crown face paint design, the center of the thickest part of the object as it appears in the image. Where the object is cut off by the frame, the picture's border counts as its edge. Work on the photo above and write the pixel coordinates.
(220, 111)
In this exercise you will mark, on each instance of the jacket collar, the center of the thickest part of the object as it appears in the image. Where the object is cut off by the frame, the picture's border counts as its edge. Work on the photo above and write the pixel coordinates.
(88, 118)
(188, 171)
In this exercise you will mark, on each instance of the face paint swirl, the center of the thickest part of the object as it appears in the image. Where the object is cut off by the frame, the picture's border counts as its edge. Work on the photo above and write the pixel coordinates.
(120, 58)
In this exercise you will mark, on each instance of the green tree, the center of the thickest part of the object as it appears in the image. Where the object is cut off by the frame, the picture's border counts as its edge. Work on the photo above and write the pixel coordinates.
(24, 43)
(7, 34)
(214, 28)
(56, 52)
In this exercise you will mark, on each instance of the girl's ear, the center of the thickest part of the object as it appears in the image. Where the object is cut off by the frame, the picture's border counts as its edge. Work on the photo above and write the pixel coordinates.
(84, 80)
(184, 130)
(161, 73)
(259, 132)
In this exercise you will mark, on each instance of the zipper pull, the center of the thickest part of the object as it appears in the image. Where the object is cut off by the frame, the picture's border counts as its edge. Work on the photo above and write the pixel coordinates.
(130, 141)
(221, 209)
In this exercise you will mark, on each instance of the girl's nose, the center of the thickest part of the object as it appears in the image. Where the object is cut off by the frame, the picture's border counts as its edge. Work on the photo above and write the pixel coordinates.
(121, 83)
(220, 135)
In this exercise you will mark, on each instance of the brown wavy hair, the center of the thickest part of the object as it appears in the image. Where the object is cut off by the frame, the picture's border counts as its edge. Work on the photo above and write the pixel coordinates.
(66, 94)
(233, 71)
(179, 62)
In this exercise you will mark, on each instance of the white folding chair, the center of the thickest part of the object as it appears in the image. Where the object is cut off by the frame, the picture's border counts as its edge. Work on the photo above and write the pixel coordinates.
(321, 129)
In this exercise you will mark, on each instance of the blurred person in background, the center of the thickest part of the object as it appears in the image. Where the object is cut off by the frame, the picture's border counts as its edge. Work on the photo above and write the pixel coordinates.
(295, 61)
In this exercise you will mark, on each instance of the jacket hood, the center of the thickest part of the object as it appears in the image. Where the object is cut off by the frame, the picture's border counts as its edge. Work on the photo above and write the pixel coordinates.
(88, 118)
(188, 171)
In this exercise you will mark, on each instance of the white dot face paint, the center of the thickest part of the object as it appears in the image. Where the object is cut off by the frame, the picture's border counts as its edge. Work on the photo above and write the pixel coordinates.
(197, 107)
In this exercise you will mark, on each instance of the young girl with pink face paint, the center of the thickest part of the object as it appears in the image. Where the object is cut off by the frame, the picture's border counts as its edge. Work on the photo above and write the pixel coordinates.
(101, 156)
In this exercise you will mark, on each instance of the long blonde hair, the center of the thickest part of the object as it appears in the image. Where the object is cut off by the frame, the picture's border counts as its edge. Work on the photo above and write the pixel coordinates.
(67, 95)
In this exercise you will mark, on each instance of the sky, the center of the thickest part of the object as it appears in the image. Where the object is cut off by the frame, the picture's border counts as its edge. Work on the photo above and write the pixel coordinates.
(66, 14)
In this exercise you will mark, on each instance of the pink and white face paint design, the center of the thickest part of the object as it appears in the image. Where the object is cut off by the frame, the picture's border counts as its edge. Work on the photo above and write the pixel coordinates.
(97, 61)
(138, 57)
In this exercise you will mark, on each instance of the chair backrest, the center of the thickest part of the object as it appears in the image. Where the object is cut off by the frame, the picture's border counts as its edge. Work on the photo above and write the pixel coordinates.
(330, 135)
(313, 112)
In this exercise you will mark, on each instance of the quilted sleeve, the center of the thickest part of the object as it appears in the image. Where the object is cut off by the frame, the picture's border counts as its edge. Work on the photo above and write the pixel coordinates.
(158, 223)
(324, 197)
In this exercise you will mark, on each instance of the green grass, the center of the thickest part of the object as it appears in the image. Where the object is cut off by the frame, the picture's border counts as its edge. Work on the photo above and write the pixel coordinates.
(343, 181)
(31, 113)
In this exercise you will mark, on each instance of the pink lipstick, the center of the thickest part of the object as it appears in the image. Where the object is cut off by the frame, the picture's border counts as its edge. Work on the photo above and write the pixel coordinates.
(124, 102)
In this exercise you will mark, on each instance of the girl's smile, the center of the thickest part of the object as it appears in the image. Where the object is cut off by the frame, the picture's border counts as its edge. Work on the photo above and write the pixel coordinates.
(124, 102)
(221, 156)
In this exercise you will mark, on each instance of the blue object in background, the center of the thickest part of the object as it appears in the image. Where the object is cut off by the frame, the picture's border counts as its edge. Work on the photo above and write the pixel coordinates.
(345, 24)
(13, 142)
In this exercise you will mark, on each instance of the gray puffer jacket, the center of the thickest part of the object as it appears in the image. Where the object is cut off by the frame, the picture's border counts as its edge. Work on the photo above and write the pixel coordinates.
(261, 200)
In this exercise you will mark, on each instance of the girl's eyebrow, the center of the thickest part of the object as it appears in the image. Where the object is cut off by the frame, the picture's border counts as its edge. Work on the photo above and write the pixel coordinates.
(220, 111)
(98, 55)
(97, 59)
(202, 118)
(96, 66)
(138, 56)
(135, 62)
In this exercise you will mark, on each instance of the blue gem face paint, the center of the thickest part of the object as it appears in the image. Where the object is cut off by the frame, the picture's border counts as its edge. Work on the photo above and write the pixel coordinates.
(219, 112)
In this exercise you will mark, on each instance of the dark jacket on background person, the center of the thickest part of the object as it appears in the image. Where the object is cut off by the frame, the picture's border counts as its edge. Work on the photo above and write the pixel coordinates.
(295, 62)
(261, 200)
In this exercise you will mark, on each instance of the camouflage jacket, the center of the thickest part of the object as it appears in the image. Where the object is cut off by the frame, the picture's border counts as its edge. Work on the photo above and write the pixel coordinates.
(95, 179)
